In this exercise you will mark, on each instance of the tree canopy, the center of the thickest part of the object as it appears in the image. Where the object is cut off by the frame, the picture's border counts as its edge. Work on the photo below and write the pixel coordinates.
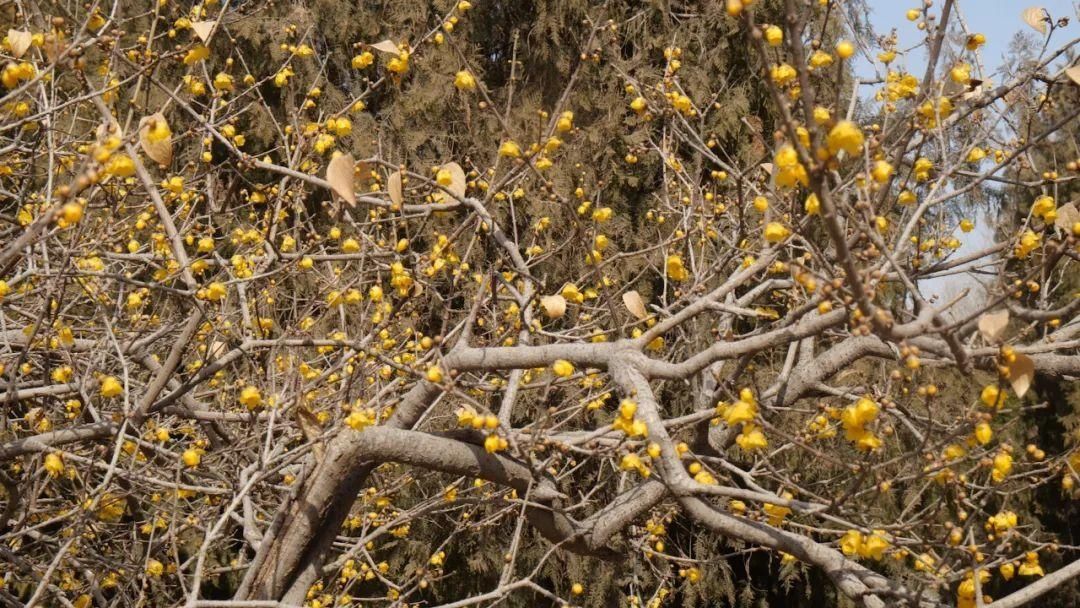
(550, 302)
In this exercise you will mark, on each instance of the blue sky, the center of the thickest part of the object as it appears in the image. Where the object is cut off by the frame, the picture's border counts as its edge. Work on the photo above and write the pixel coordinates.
(998, 20)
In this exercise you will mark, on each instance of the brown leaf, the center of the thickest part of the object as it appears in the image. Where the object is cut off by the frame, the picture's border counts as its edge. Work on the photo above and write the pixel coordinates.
(155, 137)
(1035, 16)
(633, 302)
(19, 41)
(1021, 372)
(363, 171)
(386, 46)
(457, 186)
(993, 324)
(217, 350)
(309, 426)
(53, 46)
(554, 306)
(339, 172)
(393, 186)
(203, 29)
(1073, 73)
(1067, 217)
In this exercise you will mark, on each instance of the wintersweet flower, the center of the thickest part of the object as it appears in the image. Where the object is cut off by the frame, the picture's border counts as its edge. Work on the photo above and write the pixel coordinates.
(562, 368)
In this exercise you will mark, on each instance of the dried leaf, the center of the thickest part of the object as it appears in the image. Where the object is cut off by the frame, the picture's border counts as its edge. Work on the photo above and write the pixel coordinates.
(309, 426)
(1067, 217)
(19, 41)
(217, 350)
(1021, 373)
(155, 137)
(386, 46)
(767, 168)
(457, 186)
(1073, 73)
(362, 172)
(203, 29)
(554, 306)
(106, 130)
(1035, 16)
(393, 186)
(53, 46)
(339, 172)
(992, 324)
(633, 302)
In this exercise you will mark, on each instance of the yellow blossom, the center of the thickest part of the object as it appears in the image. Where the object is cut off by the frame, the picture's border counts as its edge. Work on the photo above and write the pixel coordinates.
(154, 568)
(464, 81)
(250, 397)
(562, 368)
(846, 136)
(191, 458)
(110, 387)
(510, 149)
(363, 60)
(881, 172)
(776, 232)
(774, 35)
(54, 464)
(676, 271)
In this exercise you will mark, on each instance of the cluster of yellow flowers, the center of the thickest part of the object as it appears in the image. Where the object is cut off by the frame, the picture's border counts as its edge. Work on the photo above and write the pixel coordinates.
(626, 422)
(789, 172)
(468, 417)
(743, 413)
(854, 420)
(868, 546)
(14, 73)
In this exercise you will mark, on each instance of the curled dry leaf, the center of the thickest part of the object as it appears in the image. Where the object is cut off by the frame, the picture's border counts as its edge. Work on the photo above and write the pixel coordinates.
(203, 29)
(339, 172)
(19, 41)
(386, 46)
(1073, 73)
(458, 183)
(53, 46)
(1021, 372)
(155, 137)
(992, 324)
(1035, 16)
(554, 306)
(310, 427)
(633, 302)
(393, 186)
(1067, 217)
(216, 350)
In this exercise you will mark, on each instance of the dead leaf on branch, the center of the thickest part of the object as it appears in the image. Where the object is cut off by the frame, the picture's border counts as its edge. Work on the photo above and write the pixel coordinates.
(386, 46)
(554, 306)
(1067, 217)
(310, 427)
(633, 302)
(1073, 73)
(457, 179)
(1036, 17)
(19, 41)
(203, 29)
(993, 324)
(1021, 373)
(393, 187)
(339, 173)
(155, 138)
